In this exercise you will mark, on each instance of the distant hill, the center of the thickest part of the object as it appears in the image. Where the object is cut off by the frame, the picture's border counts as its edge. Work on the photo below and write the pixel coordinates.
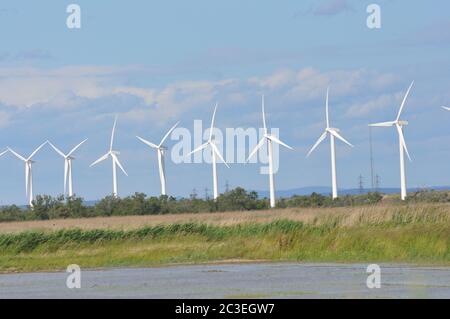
(323, 190)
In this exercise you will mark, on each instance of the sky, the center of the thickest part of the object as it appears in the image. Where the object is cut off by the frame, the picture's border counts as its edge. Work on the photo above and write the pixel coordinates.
(154, 63)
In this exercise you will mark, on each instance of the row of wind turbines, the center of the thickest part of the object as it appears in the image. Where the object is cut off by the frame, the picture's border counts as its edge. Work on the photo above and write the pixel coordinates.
(269, 139)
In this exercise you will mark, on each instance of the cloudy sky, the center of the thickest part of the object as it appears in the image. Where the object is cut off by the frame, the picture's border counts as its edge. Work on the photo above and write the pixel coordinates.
(154, 63)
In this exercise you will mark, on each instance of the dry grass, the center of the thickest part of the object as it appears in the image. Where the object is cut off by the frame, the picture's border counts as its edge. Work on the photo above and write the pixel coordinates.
(344, 216)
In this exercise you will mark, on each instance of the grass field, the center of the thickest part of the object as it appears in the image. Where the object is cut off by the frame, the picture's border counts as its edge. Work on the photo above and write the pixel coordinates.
(385, 233)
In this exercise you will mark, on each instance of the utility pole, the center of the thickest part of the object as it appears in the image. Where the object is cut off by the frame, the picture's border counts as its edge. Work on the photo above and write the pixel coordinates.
(206, 193)
(360, 184)
(227, 187)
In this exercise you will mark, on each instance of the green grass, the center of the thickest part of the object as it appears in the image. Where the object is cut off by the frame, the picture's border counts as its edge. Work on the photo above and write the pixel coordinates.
(422, 241)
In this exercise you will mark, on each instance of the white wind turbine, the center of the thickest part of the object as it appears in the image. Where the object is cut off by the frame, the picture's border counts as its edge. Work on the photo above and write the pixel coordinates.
(269, 138)
(402, 144)
(114, 160)
(214, 153)
(28, 172)
(160, 149)
(446, 108)
(333, 133)
(67, 166)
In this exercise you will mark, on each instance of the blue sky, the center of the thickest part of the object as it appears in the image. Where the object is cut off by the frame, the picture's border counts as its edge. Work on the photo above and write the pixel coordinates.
(155, 63)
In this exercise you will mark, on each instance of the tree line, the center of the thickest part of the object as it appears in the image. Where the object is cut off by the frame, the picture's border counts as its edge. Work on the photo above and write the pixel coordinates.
(48, 207)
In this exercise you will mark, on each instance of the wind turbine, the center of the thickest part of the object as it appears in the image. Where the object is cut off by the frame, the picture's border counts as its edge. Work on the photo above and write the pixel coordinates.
(114, 160)
(214, 153)
(333, 133)
(402, 144)
(269, 138)
(446, 108)
(28, 172)
(67, 166)
(160, 149)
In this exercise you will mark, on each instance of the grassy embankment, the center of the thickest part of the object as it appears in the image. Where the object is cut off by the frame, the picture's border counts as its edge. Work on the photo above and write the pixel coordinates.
(394, 233)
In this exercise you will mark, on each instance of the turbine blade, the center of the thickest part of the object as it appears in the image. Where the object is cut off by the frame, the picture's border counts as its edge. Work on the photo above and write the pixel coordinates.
(337, 135)
(264, 116)
(4, 152)
(147, 142)
(57, 150)
(116, 160)
(112, 134)
(446, 108)
(257, 147)
(216, 150)
(326, 111)
(384, 124)
(403, 102)
(321, 138)
(198, 148)
(37, 150)
(76, 147)
(101, 159)
(212, 122)
(276, 140)
(17, 155)
(402, 140)
(168, 133)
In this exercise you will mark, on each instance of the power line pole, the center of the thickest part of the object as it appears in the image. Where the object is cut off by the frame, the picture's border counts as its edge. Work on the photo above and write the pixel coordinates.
(206, 193)
(227, 187)
(360, 184)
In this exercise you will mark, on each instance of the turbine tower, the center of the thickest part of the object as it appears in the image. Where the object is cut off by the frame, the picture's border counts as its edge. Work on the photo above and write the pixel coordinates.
(446, 108)
(333, 133)
(28, 172)
(269, 138)
(114, 159)
(160, 149)
(214, 154)
(402, 144)
(67, 166)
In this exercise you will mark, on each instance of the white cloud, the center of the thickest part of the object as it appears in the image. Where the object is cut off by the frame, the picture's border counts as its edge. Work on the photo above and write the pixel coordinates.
(331, 7)
(70, 86)
(377, 104)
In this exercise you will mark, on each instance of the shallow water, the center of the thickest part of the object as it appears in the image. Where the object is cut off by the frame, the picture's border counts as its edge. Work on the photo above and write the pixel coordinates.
(259, 280)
